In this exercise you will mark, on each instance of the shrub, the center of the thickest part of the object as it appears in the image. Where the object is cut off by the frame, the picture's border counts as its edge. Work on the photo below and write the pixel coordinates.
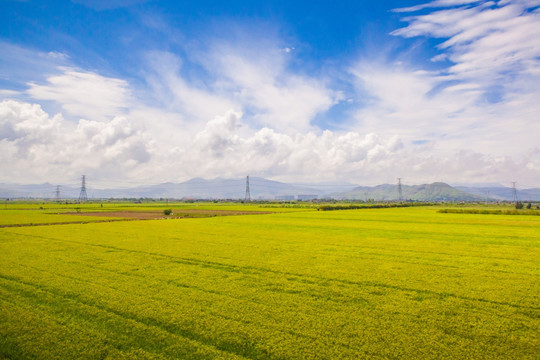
(167, 212)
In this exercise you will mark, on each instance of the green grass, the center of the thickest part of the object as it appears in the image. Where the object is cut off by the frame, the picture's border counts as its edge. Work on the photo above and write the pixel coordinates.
(395, 283)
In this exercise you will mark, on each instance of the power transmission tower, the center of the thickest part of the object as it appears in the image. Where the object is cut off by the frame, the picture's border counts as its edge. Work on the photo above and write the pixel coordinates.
(57, 193)
(400, 194)
(248, 195)
(82, 195)
(514, 192)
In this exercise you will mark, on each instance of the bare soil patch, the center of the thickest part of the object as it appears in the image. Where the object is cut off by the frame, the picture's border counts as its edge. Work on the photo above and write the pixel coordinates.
(158, 214)
(111, 216)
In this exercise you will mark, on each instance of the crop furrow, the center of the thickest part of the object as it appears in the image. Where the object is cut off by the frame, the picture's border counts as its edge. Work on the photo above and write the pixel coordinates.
(249, 269)
(246, 351)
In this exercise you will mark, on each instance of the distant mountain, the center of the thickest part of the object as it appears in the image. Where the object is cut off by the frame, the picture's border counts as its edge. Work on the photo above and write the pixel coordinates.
(42, 191)
(261, 188)
(502, 193)
(427, 192)
(198, 188)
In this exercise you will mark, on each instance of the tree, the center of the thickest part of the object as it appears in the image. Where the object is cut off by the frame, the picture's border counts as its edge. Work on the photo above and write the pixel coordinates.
(519, 205)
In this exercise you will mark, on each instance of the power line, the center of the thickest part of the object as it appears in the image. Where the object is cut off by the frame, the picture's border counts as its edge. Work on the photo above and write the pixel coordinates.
(248, 195)
(82, 195)
(514, 192)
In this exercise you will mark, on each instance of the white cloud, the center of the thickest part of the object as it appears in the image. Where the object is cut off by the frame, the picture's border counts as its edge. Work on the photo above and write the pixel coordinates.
(169, 88)
(492, 43)
(245, 110)
(278, 98)
(221, 150)
(256, 82)
(84, 94)
(9, 93)
(437, 3)
(37, 147)
(19, 65)
(485, 100)
(404, 102)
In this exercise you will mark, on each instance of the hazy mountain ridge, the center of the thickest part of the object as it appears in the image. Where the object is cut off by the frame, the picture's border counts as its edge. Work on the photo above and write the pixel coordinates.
(502, 193)
(261, 188)
(193, 188)
(426, 192)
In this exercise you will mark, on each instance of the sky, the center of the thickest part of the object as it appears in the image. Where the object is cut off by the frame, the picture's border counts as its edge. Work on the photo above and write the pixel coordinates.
(132, 92)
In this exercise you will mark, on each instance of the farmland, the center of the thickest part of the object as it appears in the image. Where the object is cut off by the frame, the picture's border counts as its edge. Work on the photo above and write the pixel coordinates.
(289, 283)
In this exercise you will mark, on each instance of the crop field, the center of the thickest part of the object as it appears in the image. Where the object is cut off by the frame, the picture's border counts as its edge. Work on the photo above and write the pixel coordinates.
(293, 283)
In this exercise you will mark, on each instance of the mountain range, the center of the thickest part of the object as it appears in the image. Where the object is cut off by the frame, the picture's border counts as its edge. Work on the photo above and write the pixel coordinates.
(426, 192)
(261, 188)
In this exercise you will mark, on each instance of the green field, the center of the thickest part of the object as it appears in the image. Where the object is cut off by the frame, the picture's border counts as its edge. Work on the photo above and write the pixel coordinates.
(396, 283)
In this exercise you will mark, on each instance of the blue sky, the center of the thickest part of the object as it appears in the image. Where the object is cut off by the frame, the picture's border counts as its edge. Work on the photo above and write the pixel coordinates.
(137, 92)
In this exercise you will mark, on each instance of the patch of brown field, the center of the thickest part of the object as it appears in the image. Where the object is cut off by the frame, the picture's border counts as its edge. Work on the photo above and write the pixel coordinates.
(142, 215)
(158, 214)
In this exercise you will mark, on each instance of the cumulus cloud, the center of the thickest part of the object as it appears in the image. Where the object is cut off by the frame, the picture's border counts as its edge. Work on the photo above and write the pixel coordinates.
(224, 149)
(221, 150)
(35, 145)
(231, 109)
(38, 147)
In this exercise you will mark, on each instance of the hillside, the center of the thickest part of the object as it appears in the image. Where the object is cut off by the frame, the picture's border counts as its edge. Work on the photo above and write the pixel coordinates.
(502, 193)
(426, 192)
(198, 188)
(261, 188)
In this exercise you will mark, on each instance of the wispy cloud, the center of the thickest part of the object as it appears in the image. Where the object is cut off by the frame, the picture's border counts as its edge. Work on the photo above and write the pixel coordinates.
(18, 65)
(84, 93)
(254, 81)
(241, 104)
(493, 42)
(277, 97)
(437, 3)
(195, 102)
(484, 99)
